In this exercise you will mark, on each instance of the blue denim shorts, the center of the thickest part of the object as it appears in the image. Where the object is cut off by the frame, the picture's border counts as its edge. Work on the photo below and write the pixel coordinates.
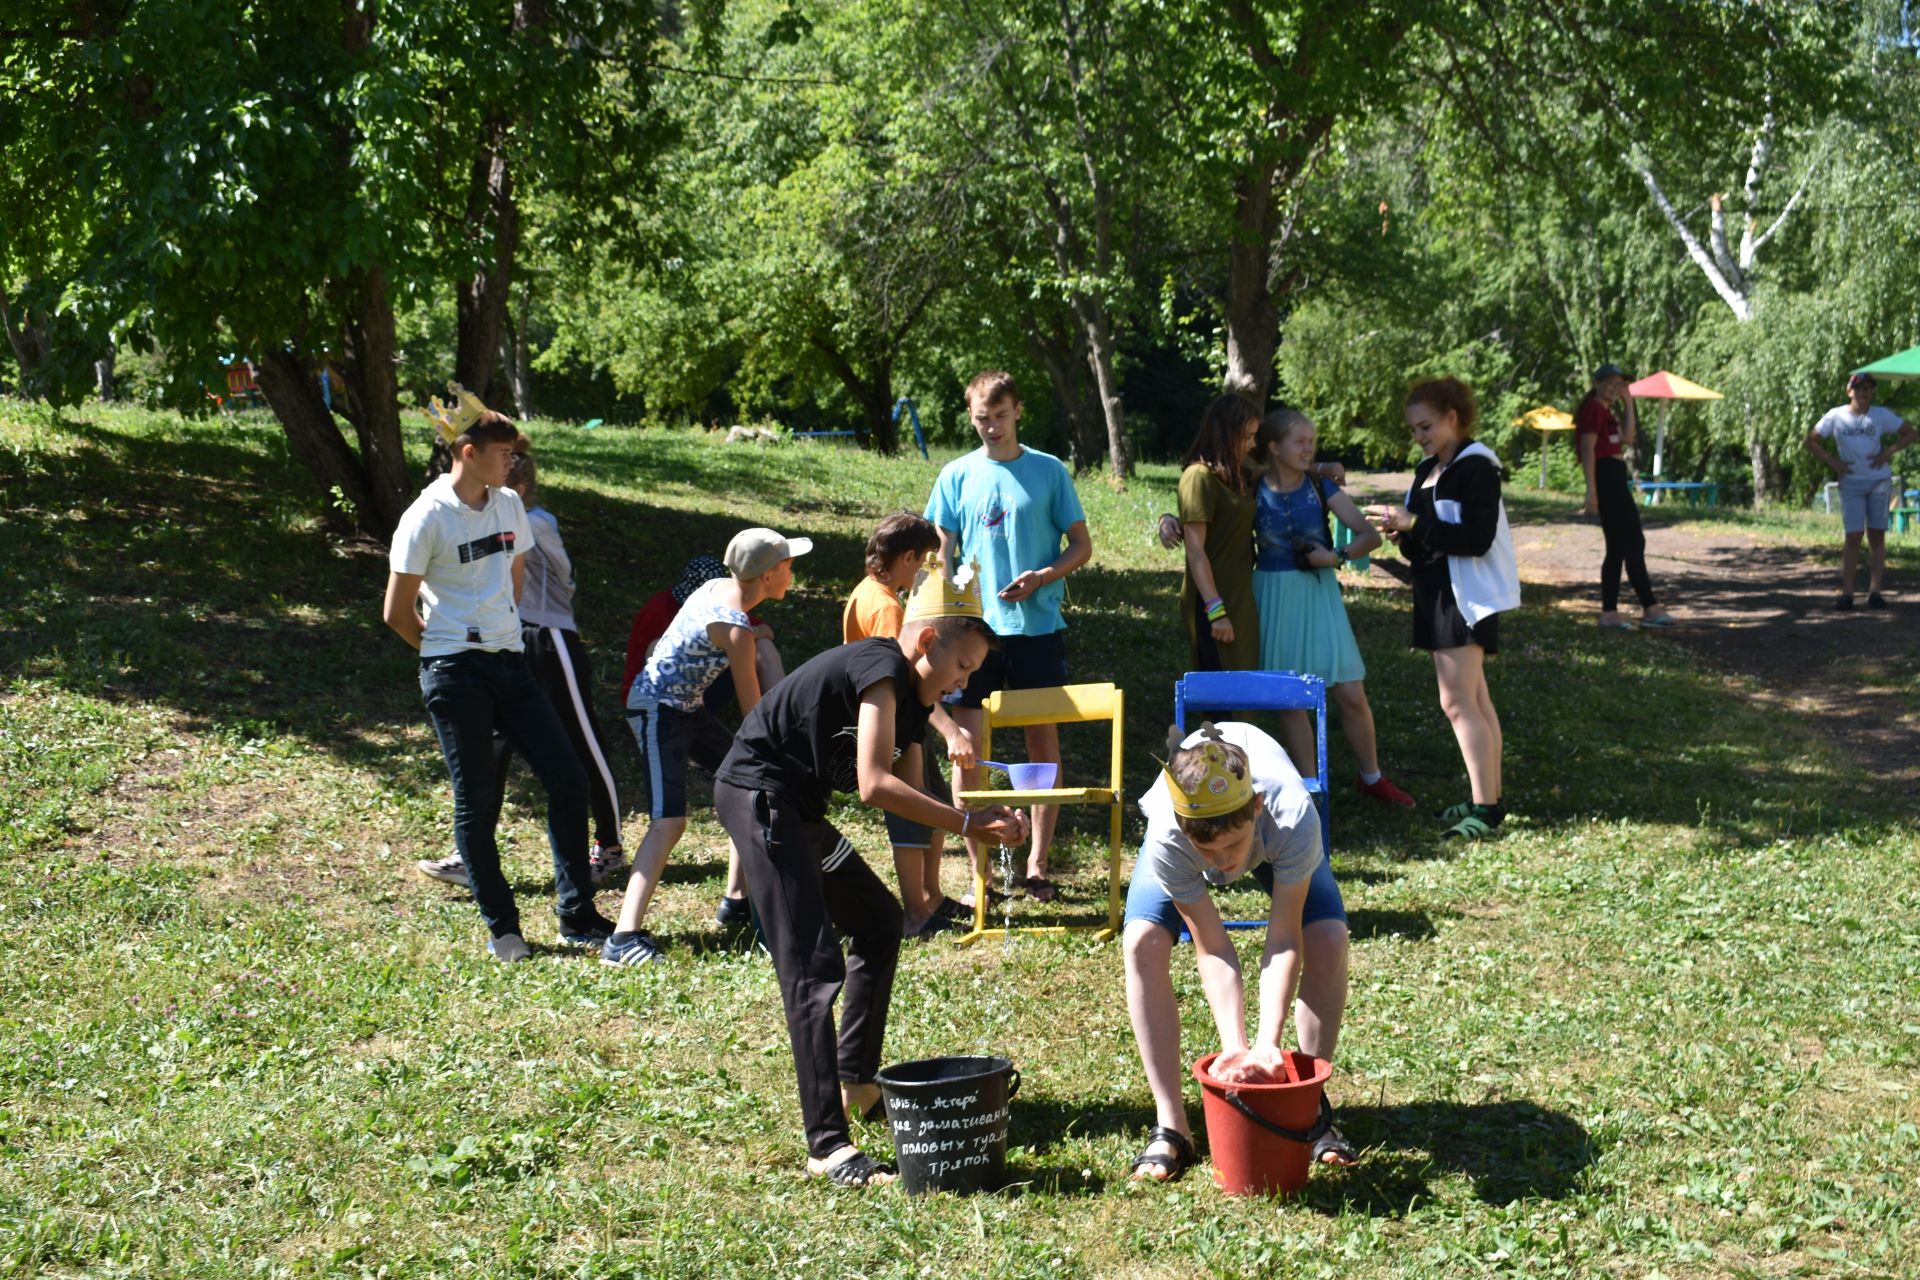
(905, 833)
(1146, 900)
(669, 738)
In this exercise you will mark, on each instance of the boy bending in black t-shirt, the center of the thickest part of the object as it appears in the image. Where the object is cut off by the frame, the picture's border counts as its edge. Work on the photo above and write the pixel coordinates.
(851, 719)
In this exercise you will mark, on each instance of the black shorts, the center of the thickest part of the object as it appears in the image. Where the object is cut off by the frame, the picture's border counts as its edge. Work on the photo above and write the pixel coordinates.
(1437, 620)
(1022, 662)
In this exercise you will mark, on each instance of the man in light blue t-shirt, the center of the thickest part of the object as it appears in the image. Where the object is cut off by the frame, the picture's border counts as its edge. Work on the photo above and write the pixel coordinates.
(1009, 508)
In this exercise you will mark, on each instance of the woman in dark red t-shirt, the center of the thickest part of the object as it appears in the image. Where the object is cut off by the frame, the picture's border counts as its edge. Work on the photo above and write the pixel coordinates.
(1602, 439)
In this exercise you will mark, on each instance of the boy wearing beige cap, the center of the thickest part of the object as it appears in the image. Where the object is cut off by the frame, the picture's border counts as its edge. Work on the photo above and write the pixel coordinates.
(667, 708)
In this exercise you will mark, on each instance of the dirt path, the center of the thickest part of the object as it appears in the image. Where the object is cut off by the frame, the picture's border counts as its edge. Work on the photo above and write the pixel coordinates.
(1756, 609)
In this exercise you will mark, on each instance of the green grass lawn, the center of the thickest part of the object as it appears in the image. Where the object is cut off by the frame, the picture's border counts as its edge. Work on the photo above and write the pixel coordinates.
(1669, 1024)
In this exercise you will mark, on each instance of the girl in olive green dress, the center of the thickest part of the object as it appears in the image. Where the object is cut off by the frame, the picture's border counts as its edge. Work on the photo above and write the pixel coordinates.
(1216, 515)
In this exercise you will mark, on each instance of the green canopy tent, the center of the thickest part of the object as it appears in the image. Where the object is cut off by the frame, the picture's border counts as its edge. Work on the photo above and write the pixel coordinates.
(1898, 368)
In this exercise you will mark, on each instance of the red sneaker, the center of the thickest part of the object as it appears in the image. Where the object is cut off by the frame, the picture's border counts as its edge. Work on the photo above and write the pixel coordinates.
(1386, 793)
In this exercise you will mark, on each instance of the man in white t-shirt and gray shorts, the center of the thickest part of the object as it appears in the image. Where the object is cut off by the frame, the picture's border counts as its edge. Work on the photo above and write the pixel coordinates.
(1863, 460)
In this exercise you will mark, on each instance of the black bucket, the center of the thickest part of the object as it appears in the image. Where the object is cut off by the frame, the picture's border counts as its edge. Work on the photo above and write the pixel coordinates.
(949, 1118)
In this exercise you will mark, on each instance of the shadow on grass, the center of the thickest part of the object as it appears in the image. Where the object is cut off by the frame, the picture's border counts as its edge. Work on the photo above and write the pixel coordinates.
(183, 563)
(1506, 1150)
(1041, 1124)
(1372, 922)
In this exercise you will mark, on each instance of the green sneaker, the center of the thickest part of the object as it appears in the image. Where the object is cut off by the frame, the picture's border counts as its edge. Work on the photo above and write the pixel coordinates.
(1454, 812)
(1471, 827)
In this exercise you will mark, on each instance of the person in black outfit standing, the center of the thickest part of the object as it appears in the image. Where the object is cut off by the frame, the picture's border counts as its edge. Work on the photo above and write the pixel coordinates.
(834, 724)
(1603, 439)
(1453, 531)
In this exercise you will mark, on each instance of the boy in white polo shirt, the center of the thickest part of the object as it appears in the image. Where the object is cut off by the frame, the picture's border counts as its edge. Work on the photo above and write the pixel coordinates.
(1857, 430)
(458, 551)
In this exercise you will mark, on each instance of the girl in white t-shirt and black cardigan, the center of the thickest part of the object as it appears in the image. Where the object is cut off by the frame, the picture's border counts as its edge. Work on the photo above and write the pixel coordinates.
(1453, 531)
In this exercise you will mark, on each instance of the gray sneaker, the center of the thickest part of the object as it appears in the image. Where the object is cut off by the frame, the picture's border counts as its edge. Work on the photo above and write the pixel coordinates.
(509, 948)
(447, 870)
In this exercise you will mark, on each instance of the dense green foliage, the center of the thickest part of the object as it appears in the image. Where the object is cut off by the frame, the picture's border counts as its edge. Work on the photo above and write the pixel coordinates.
(802, 211)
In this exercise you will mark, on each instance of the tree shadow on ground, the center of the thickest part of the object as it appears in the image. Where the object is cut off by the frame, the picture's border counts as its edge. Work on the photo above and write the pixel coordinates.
(1041, 1124)
(1367, 923)
(1507, 1151)
(201, 580)
(1763, 609)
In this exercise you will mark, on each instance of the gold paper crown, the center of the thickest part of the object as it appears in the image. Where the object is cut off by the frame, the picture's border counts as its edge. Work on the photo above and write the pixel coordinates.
(465, 412)
(935, 595)
(1219, 792)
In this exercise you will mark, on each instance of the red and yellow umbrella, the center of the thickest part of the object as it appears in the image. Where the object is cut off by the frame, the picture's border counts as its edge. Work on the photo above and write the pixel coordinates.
(1664, 386)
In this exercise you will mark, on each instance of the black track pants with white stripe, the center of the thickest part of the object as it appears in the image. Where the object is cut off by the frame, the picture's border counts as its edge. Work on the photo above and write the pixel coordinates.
(810, 890)
(559, 663)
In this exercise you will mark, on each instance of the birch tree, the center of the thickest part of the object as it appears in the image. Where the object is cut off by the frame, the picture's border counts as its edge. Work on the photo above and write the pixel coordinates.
(1734, 274)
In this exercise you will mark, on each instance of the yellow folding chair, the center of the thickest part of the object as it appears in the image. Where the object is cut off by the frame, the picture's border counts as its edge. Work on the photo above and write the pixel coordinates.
(1068, 704)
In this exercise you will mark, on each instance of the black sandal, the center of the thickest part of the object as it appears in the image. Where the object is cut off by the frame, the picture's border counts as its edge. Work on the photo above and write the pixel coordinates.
(859, 1170)
(1175, 1164)
(1332, 1147)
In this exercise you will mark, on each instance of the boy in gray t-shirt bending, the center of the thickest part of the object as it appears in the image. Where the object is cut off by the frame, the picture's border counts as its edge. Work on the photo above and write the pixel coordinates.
(1228, 804)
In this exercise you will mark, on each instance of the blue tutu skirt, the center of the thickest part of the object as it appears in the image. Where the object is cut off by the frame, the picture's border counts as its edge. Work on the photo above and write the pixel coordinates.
(1304, 627)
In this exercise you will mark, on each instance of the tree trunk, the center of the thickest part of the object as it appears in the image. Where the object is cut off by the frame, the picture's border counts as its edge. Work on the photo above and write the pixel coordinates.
(492, 214)
(1766, 474)
(882, 430)
(372, 404)
(1253, 322)
(1067, 373)
(103, 377)
(1107, 385)
(521, 362)
(482, 301)
(295, 400)
(29, 343)
(874, 396)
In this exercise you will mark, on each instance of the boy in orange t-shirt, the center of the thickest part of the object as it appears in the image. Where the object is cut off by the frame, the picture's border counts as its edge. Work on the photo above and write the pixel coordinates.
(898, 547)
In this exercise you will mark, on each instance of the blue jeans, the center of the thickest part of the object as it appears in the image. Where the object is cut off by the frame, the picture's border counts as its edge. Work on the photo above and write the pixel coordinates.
(468, 696)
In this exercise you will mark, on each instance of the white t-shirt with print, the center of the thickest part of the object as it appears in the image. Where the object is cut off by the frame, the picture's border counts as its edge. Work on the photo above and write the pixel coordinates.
(1856, 438)
(464, 556)
(1282, 834)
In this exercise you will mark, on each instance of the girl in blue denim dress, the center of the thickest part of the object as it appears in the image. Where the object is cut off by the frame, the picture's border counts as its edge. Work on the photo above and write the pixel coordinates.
(1303, 620)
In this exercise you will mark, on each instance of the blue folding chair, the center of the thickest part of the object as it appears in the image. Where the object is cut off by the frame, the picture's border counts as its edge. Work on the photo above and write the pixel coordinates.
(1201, 691)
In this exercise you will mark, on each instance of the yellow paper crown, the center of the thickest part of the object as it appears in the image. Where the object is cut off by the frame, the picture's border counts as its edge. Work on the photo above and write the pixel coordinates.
(1219, 791)
(935, 595)
(465, 412)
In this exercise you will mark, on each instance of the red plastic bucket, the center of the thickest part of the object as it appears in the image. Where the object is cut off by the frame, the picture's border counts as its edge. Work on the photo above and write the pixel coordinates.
(1261, 1135)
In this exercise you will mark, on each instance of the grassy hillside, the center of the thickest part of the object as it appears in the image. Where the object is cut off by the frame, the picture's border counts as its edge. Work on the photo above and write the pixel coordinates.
(1667, 1024)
